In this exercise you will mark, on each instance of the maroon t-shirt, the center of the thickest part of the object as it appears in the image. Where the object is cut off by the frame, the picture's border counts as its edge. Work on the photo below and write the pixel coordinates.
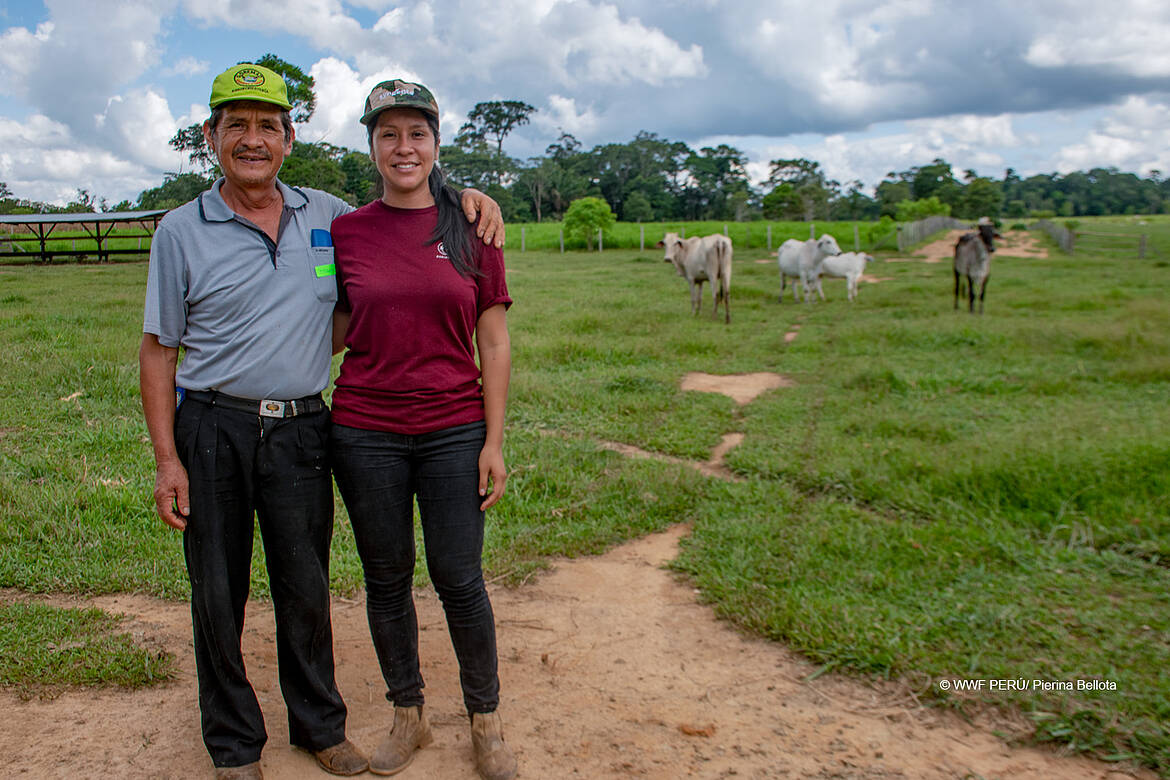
(410, 367)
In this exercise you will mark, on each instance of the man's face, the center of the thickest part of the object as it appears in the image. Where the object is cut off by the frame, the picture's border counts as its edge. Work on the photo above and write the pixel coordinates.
(249, 143)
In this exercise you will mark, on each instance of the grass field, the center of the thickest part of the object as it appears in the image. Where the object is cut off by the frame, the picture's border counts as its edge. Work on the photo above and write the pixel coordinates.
(939, 496)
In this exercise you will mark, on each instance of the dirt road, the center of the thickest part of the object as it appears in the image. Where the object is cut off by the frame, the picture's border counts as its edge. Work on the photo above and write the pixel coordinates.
(610, 668)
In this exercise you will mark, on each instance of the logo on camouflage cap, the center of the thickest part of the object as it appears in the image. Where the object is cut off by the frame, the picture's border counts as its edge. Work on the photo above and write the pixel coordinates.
(397, 93)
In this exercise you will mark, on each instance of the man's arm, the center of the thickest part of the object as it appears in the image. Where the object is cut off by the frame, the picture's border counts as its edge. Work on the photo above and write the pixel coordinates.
(491, 220)
(156, 382)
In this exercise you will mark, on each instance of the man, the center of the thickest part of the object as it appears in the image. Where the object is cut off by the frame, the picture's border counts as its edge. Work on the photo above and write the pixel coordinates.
(242, 278)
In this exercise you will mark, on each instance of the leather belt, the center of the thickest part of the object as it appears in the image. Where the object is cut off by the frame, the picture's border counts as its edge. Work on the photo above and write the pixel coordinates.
(263, 408)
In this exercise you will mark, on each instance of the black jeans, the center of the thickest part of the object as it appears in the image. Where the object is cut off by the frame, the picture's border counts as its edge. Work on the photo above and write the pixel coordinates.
(380, 475)
(239, 465)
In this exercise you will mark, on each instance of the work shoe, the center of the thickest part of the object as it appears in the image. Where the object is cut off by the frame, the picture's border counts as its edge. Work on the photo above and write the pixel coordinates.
(411, 731)
(493, 758)
(342, 759)
(246, 772)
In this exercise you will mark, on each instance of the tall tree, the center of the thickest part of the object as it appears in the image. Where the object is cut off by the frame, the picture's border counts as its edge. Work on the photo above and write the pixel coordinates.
(810, 187)
(494, 119)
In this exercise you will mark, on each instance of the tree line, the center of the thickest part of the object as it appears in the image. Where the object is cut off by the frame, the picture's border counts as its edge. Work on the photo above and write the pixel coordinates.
(651, 178)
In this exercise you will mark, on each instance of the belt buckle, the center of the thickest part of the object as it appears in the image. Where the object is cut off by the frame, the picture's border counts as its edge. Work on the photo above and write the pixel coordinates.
(272, 408)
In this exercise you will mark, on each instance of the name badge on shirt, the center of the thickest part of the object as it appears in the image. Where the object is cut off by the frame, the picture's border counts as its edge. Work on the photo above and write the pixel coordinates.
(329, 269)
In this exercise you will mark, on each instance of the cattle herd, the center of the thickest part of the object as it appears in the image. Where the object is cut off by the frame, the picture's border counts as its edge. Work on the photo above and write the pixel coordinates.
(708, 259)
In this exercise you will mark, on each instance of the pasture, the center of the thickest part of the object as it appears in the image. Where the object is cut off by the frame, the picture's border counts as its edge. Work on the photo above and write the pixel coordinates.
(938, 496)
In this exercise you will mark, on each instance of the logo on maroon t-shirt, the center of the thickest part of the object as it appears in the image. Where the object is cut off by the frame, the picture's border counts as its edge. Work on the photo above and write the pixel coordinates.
(442, 252)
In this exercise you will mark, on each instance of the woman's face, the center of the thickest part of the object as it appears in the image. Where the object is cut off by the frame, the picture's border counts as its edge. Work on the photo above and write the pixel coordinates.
(404, 150)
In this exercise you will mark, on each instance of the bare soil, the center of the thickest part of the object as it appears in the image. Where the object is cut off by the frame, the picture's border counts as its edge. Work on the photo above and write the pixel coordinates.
(610, 666)
(1015, 243)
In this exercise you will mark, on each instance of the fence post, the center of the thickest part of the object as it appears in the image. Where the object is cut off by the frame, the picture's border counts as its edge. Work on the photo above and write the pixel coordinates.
(856, 239)
(1072, 241)
(769, 237)
(599, 247)
(641, 238)
(812, 230)
(562, 241)
(898, 235)
(522, 237)
(684, 231)
(724, 229)
(1142, 247)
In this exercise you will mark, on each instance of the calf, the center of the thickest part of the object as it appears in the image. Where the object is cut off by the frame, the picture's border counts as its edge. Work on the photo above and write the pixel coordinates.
(848, 266)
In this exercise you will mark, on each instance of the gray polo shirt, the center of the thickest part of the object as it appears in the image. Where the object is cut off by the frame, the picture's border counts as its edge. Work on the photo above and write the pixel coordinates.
(253, 317)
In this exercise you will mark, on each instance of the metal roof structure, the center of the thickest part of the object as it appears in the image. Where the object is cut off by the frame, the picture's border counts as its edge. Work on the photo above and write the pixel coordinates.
(109, 216)
(97, 226)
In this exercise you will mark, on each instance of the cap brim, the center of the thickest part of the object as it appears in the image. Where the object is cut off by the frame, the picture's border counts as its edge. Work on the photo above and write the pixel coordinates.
(256, 98)
(370, 116)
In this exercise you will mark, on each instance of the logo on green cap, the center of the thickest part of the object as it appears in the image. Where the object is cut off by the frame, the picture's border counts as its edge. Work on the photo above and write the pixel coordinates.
(249, 77)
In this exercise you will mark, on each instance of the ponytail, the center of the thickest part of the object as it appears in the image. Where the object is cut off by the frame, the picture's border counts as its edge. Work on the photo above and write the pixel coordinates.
(452, 229)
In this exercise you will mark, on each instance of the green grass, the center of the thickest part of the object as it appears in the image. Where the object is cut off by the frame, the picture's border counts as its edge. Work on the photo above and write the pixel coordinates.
(940, 495)
(46, 648)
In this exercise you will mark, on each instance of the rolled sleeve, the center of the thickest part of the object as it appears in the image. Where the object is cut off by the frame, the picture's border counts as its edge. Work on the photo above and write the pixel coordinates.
(493, 284)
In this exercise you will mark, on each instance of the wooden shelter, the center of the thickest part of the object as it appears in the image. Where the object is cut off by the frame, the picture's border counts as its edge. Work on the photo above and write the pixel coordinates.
(36, 229)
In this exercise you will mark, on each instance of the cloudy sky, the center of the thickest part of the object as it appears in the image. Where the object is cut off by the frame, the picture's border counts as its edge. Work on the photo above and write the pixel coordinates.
(90, 90)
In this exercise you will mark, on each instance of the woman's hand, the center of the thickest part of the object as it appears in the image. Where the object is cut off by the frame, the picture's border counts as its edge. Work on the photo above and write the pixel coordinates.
(491, 474)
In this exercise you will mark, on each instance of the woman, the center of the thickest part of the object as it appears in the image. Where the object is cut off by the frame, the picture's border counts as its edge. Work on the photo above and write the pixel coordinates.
(414, 417)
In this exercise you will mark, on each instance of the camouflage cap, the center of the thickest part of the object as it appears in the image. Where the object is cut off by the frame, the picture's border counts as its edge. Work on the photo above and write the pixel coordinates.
(249, 82)
(397, 93)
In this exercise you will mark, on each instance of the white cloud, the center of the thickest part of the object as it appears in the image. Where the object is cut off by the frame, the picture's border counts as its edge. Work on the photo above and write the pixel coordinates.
(40, 160)
(188, 66)
(1130, 37)
(1134, 137)
(562, 115)
(139, 125)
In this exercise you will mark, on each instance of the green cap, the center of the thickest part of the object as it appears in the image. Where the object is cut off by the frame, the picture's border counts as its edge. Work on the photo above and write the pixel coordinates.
(249, 82)
(397, 93)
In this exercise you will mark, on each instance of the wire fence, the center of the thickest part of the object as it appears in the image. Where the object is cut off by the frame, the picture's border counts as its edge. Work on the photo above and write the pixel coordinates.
(1064, 237)
(916, 232)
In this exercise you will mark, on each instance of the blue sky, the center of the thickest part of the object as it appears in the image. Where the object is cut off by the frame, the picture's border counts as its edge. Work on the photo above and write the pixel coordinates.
(91, 90)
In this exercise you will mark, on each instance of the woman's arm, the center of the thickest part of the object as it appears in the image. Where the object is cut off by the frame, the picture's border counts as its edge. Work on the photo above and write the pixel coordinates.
(340, 326)
(495, 366)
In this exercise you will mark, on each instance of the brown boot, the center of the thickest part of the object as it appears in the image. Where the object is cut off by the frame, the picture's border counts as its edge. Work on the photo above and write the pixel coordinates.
(493, 758)
(411, 731)
(342, 759)
(246, 772)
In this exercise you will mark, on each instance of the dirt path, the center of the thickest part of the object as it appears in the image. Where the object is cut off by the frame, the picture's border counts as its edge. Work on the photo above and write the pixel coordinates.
(1015, 243)
(610, 668)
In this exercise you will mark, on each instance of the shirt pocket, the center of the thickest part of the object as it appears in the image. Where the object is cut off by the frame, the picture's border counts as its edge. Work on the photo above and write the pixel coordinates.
(323, 271)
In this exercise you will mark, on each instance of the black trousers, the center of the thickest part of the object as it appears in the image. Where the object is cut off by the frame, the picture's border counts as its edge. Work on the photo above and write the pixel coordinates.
(241, 466)
(380, 476)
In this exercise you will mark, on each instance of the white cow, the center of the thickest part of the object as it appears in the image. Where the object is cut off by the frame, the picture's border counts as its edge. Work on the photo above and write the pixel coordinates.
(801, 260)
(848, 266)
(698, 260)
